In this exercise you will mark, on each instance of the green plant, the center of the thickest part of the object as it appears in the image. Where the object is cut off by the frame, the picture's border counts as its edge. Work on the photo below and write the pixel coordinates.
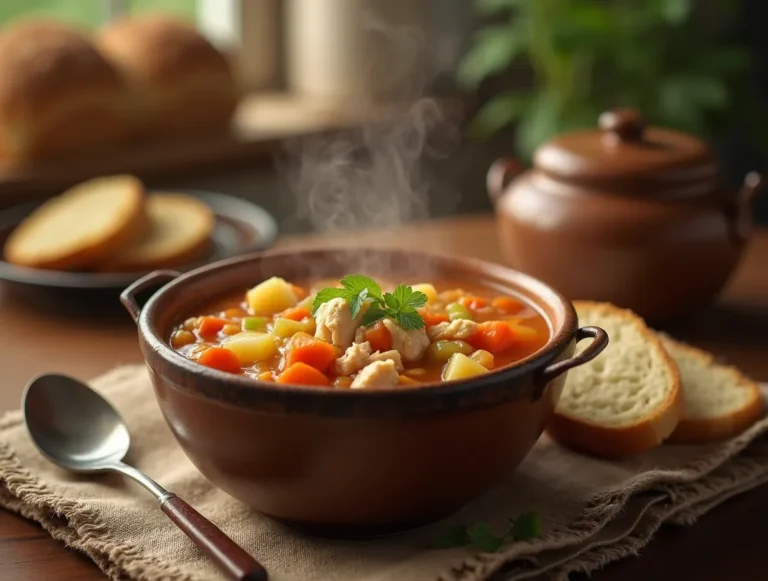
(587, 56)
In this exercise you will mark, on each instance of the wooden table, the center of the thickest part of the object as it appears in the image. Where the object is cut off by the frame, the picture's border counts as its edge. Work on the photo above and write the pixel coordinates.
(727, 544)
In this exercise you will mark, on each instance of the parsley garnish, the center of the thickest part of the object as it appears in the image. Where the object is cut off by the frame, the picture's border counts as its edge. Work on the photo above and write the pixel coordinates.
(525, 527)
(357, 290)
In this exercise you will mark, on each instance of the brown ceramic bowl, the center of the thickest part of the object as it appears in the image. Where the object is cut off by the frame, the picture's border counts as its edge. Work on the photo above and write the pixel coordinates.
(353, 462)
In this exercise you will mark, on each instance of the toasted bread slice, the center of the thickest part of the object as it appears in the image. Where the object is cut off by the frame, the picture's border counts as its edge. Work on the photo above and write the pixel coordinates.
(625, 401)
(81, 226)
(179, 230)
(719, 401)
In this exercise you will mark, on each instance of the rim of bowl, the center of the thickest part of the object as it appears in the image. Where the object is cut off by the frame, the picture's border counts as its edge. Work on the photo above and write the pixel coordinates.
(479, 391)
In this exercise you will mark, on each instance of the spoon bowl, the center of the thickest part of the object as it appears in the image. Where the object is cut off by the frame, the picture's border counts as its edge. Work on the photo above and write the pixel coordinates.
(72, 425)
(77, 429)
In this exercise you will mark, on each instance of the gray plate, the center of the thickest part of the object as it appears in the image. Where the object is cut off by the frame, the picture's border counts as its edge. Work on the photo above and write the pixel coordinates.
(241, 227)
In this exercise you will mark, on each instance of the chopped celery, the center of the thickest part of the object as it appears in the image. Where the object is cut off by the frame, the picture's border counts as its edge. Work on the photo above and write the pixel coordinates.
(443, 350)
(254, 323)
(458, 311)
(286, 328)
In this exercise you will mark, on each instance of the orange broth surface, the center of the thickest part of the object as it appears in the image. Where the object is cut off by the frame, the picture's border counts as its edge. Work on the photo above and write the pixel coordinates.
(203, 336)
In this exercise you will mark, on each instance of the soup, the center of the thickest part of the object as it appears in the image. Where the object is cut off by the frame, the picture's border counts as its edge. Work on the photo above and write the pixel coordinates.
(360, 333)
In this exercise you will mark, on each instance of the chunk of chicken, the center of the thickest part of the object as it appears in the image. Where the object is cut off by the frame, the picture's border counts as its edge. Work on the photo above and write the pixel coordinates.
(458, 329)
(354, 359)
(358, 355)
(410, 344)
(390, 355)
(376, 374)
(335, 324)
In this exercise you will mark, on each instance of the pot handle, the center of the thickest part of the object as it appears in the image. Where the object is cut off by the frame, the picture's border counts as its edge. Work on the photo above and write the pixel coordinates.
(599, 342)
(156, 278)
(501, 172)
(740, 213)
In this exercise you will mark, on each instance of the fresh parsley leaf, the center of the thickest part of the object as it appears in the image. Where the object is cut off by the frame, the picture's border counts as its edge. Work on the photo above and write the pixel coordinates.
(407, 297)
(409, 320)
(526, 526)
(400, 305)
(356, 283)
(326, 295)
(373, 314)
(456, 537)
(481, 537)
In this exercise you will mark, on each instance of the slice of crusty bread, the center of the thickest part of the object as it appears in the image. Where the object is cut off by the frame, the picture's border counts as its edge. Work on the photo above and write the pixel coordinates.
(625, 401)
(80, 226)
(179, 230)
(719, 401)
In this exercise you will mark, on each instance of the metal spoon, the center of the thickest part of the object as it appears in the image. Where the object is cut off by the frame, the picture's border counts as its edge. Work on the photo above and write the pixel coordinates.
(76, 428)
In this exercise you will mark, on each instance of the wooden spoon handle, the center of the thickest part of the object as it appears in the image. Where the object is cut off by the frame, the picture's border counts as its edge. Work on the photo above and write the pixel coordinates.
(230, 557)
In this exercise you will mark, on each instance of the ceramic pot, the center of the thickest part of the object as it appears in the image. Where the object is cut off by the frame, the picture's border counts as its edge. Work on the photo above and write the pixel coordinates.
(634, 215)
(353, 462)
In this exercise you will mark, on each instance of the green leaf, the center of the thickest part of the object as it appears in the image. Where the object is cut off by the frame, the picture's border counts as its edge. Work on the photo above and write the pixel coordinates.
(326, 295)
(540, 122)
(406, 296)
(729, 60)
(356, 283)
(391, 301)
(675, 11)
(526, 526)
(373, 314)
(409, 320)
(493, 51)
(455, 537)
(481, 537)
(493, 6)
(356, 303)
(497, 113)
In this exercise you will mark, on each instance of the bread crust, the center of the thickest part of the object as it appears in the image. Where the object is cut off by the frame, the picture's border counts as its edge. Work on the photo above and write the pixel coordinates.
(181, 81)
(57, 92)
(618, 442)
(88, 251)
(702, 430)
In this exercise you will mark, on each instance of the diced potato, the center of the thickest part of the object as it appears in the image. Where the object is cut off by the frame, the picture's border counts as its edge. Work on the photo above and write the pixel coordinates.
(462, 367)
(271, 296)
(483, 357)
(444, 350)
(405, 380)
(251, 346)
(286, 328)
(306, 302)
(523, 333)
(428, 290)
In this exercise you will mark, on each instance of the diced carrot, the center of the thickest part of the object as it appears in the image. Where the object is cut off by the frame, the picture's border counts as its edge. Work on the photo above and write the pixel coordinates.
(303, 374)
(296, 313)
(221, 359)
(472, 302)
(493, 336)
(507, 305)
(298, 291)
(379, 337)
(431, 318)
(210, 326)
(304, 348)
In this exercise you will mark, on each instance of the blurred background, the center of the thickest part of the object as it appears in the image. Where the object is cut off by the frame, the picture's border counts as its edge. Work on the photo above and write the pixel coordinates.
(509, 75)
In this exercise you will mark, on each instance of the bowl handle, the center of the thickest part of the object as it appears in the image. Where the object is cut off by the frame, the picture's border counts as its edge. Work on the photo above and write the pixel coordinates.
(599, 342)
(154, 279)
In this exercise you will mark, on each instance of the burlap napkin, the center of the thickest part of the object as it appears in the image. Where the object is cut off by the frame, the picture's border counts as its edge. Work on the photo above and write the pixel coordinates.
(593, 511)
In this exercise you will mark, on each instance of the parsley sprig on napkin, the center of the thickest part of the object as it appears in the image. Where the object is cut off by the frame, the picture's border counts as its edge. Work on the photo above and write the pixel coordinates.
(525, 527)
(399, 305)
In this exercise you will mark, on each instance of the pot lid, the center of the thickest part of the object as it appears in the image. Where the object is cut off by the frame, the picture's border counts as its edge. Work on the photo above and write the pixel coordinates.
(625, 156)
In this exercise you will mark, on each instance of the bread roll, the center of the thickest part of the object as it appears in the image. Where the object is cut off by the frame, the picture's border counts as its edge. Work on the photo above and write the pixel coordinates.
(178, 231)
(57, 92)
(181, 82)
(81, 226)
